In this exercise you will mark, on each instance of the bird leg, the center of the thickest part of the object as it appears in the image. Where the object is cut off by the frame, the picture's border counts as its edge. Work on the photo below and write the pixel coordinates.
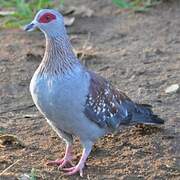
(65, 160)
(79, 167)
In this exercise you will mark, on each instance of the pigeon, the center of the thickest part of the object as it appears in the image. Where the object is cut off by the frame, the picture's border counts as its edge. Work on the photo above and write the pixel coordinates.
(76, 101)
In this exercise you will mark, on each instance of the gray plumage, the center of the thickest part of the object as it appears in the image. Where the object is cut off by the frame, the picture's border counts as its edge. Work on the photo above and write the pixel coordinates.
(75, 101)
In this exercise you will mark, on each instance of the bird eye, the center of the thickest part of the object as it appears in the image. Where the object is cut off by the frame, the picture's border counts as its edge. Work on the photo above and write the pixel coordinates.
(46, 18)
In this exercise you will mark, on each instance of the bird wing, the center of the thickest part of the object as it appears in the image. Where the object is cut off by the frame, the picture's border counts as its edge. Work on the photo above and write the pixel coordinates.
(106, 106)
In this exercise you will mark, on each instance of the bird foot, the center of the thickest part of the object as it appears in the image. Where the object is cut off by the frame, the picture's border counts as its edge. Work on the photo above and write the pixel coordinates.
(74, 170)
(60, 163)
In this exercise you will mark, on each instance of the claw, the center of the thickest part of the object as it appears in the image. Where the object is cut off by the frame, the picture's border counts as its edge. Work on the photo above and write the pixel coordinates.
(61, 163)
(64, 161)
(79, 167)
(68, 169)
(57, 162)
(74, 170)
(67, 160)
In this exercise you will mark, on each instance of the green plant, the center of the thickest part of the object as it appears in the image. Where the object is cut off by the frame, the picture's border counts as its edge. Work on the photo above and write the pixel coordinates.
(33, 175)
(23, 11)
(122, 4)
(137, 5)
(2, 130)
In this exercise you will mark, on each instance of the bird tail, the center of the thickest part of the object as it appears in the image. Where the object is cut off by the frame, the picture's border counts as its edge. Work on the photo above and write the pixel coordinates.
(144, 114)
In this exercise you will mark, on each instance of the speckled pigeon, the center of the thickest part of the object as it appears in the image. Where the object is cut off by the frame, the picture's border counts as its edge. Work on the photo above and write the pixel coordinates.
(75, 101)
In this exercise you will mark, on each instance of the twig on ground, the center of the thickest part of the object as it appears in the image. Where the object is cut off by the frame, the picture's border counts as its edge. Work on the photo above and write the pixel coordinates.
(18, 108)
(9, 167)
(85, 46)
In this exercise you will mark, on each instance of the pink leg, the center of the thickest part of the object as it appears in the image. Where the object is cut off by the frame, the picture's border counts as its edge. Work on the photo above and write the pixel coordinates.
(65, 160)
(79, 167)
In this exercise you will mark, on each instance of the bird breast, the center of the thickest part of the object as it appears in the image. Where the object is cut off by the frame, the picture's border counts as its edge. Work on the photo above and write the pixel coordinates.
(60, 98)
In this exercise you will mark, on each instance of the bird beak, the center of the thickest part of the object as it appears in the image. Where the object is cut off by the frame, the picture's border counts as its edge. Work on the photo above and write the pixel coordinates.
(30, 27)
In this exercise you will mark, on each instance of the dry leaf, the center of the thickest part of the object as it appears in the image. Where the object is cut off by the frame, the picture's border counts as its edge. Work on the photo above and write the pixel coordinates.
(84, 11)
(81, 10)
(68, 21)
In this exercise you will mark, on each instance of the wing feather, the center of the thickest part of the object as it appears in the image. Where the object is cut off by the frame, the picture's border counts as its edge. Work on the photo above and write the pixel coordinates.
(105, 105)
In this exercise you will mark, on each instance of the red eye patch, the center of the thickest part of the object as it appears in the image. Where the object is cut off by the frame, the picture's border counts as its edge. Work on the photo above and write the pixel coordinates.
(46, 18)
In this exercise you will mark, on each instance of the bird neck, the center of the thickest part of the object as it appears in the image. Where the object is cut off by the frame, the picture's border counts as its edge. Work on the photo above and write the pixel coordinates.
(59, 57)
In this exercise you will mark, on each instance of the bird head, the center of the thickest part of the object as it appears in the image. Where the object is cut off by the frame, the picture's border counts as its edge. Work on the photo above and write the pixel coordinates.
(49, 21)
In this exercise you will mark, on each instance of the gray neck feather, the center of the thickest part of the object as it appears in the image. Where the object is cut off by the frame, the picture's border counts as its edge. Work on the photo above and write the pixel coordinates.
(59, 57)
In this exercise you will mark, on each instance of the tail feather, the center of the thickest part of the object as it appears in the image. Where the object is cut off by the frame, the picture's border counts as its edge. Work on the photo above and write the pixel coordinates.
(144, 114)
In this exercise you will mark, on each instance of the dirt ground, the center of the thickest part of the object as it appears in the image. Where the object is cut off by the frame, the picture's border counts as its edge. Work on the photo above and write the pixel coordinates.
(139, 53)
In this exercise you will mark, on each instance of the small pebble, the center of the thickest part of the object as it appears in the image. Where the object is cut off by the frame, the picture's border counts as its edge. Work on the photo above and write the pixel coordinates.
(174, 88)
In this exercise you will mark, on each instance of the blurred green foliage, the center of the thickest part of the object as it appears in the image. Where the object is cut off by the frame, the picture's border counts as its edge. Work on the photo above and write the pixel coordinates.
(19, 12)
(136, 5)
(33, 175)
(22, 11)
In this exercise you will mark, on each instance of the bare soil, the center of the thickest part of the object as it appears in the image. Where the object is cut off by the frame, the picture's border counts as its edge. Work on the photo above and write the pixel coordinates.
(139, 53)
